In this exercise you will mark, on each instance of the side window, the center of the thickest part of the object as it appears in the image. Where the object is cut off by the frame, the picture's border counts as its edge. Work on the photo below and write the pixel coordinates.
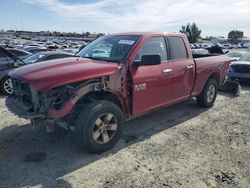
(18, 53)
(3, 59)
(178, 48)
(10, 60)
(154, 46)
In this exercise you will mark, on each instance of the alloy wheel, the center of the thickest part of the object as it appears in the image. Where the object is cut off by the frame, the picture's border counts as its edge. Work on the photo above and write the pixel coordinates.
(8, 86)
(210, 93)
(105, 128)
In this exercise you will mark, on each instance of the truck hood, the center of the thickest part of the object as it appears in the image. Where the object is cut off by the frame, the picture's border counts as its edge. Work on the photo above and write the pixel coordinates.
(54, 73)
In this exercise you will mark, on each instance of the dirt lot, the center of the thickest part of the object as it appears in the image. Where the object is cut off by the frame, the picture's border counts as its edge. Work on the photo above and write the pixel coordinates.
(183, 146)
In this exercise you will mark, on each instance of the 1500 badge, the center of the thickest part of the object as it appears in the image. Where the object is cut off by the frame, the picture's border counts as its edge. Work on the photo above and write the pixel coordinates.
(140, 87)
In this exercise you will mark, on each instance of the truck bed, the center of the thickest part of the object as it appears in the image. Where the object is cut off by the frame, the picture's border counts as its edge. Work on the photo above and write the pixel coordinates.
(205, 66)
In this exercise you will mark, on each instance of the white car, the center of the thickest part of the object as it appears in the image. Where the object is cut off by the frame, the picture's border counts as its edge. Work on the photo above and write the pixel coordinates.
(235, 55)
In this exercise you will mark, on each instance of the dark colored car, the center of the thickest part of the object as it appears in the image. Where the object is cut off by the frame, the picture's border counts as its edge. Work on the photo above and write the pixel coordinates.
(45, 56)
(9, 61)
(22, 54)
(240, 70)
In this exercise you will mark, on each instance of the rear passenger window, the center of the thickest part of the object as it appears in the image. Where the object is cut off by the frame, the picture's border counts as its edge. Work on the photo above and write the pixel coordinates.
(178, 48)
(154, 46)
(2, 54)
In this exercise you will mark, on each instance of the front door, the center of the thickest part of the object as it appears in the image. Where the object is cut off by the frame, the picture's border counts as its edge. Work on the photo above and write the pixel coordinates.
(151, 84)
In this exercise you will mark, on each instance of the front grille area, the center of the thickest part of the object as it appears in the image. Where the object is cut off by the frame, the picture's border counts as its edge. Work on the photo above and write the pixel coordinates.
(22, 93)
(241, 68)
(21, 103)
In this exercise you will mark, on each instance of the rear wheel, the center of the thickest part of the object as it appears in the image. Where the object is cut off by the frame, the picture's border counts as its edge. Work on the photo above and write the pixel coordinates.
(209, 94)
(6, 86)
(99, 126)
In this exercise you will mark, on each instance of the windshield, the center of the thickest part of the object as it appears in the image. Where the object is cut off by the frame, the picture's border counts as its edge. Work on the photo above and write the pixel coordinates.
(245, 57)
(109, 48)
(33, 58)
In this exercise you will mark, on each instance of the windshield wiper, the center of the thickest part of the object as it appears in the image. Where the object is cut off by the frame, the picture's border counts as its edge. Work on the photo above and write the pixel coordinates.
(93, 58)
(96, 58)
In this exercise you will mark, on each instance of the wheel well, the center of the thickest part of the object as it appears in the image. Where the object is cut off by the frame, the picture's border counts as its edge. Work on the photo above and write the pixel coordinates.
(215, 76)
(100, 95)
(1, 79)
(89, 98)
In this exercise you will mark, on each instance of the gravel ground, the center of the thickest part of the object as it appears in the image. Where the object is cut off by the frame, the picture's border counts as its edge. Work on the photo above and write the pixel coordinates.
(182, 146)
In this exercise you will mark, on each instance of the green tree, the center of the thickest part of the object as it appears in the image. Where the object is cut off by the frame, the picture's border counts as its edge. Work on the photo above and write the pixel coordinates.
(235, 36)
(192, 31)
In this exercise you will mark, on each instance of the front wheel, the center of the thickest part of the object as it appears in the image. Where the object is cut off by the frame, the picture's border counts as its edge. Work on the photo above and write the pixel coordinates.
(6, 86)
(99, 126)
(209, 94)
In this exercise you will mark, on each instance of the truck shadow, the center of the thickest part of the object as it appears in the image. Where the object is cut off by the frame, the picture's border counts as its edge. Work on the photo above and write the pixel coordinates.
(30, 157)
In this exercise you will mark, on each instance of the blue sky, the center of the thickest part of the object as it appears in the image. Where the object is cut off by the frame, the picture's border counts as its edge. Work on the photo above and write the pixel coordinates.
(215, 18)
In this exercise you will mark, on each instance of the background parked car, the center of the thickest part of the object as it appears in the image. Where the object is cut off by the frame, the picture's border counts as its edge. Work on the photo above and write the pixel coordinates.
(45, 56)
(8, 62)
(240, 70)
(200, 51)
(35, 49)
(19, 53)
(227, 46)
(74, 49)
(235, 55)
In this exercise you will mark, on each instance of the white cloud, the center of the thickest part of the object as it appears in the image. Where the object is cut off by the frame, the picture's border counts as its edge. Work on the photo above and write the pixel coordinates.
(145, 15)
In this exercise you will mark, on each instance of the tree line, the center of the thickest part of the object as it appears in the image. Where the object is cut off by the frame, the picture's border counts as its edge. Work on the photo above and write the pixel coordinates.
(194, 34)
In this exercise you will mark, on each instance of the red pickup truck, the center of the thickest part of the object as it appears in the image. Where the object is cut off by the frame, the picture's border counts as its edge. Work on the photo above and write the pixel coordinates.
(114, 79)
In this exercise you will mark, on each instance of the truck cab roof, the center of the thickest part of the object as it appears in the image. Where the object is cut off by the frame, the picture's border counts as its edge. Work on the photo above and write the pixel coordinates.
(149, 33)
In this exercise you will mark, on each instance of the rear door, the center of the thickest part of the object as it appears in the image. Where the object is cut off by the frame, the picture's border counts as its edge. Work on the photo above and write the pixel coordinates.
(183, 68)
(152, 84)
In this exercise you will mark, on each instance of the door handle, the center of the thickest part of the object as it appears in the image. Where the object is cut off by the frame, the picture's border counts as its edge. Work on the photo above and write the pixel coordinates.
(190, 66)
(166, 71)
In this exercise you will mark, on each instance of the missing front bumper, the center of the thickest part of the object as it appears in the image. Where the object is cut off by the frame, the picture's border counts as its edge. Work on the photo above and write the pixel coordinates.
(21, 109)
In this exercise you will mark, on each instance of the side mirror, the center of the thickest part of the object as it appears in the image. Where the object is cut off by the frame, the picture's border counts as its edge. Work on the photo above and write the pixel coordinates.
(147, 60)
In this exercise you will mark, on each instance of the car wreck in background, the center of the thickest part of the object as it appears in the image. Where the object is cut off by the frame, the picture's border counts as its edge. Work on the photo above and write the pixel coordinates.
(240, 70)
(9, 62)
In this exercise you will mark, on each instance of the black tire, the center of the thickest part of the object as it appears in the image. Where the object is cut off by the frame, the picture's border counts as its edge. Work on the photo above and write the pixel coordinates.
(203, 99)
(86, 126)
(2, 88)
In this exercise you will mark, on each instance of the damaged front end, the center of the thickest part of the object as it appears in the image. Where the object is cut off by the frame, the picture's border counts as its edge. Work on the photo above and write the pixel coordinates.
(50, 107)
